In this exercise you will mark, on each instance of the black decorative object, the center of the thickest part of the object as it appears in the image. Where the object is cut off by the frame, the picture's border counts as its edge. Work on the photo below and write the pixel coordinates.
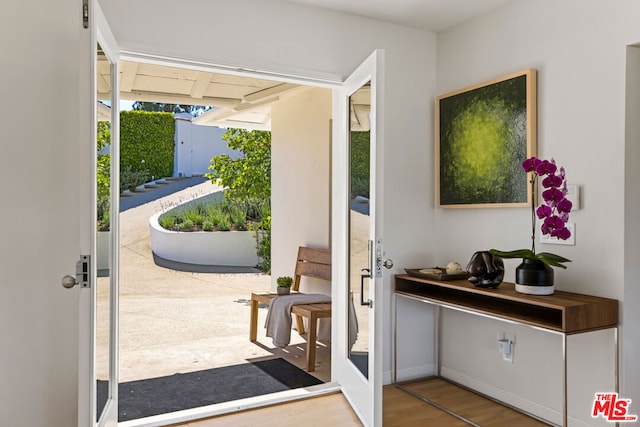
(534, 277)
(486, 270)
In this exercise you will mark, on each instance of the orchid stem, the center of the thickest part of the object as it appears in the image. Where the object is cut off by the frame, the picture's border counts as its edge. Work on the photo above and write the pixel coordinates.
(533, 213)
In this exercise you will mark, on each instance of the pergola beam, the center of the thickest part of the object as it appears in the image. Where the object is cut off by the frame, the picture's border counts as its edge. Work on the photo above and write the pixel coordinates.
(200, 85)
(128, 76)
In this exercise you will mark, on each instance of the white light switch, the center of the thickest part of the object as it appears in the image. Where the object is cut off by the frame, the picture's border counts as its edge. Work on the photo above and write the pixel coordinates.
(573, 195)
(571, 241)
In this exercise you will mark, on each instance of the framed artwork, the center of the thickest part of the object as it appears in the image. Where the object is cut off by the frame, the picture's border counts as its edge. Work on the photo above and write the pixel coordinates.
(483, 134)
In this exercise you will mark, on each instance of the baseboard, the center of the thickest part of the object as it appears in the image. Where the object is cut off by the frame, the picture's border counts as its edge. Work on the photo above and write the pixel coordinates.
(408, 374)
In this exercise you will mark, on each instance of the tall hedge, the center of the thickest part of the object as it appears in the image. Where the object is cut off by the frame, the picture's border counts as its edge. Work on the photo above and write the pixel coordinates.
(360, 158)
(147, 142)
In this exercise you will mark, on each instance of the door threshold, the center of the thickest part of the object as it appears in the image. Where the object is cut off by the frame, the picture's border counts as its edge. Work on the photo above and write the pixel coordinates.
(233, 406)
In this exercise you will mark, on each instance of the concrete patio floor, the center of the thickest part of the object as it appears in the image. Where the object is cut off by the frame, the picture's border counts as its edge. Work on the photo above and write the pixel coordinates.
(172, 321)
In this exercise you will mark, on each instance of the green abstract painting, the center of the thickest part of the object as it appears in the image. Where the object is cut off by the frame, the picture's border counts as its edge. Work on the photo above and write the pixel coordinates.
(485, 133)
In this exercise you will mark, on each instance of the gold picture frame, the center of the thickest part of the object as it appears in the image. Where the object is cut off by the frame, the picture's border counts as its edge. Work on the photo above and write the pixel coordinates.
(483, 134)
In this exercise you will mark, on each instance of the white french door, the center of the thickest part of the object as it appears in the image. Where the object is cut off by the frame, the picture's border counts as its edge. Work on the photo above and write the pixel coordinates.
(357, 292)
(98, 385)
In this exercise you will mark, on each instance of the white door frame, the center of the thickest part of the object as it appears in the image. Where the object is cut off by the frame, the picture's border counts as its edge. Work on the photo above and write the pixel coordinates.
(97, 31)
(87, 406)
(364, 394)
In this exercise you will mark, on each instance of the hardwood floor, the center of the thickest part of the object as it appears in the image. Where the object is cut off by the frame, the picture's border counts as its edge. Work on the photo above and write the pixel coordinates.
(400, 410)
(403, 410)
(329, 410)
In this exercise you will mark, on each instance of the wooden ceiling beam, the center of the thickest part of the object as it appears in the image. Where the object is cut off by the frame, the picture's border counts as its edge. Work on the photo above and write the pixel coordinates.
(200, 85)
(128, 76)
(266, 94)
(170, 98)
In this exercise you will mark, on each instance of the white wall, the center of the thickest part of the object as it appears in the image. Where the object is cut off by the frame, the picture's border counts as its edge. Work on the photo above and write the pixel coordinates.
(631, 338)
(40, 240)
(579, 50)
(300, 174)
(196, 145)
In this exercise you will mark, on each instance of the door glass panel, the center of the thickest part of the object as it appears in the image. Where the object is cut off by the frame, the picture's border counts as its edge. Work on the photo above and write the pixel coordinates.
(359, 226)
(103, 252)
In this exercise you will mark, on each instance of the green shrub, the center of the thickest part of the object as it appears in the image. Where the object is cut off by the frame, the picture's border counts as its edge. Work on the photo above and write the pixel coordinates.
(247, 182)
(360, 158)
(215, 215)
(194, 216)
(211, 215)
(130, 178)
(186, 225)
(147, 142)
(225, 223)
(239, 219)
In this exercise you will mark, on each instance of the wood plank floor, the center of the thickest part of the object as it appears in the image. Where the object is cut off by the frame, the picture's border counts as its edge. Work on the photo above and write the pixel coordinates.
(400, 410)
(329, 410)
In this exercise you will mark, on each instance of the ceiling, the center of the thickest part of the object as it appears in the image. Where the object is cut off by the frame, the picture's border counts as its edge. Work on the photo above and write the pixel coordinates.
(430, 15)
(240, 102)
(244, 102)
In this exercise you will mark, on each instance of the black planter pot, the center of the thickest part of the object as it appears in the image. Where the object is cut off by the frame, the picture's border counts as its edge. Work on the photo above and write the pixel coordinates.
(534, 277)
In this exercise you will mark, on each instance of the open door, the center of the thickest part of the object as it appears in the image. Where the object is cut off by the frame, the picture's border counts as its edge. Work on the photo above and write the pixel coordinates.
(97, 269)
(357, 240)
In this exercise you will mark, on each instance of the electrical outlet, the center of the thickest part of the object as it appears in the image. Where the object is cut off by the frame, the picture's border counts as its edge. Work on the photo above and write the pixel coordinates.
(571, 241)
(506, 347)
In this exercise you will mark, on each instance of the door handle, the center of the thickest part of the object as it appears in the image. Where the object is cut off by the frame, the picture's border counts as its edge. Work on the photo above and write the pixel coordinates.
(69, 281)
(365, 275)
(83, 274)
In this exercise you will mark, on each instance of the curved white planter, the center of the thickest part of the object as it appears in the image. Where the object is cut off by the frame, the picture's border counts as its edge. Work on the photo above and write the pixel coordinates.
(234, 248)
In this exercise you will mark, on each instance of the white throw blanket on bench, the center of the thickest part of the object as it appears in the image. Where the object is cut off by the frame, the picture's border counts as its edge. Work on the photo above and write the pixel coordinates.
(278, 321)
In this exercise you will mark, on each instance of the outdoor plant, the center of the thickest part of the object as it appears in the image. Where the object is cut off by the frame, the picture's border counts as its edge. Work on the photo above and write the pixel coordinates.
(130, 178)
(213, 215)
(284, 285)
(147, 143)
(553, 211)
(284, 282)
(103, 178)
(247, 183)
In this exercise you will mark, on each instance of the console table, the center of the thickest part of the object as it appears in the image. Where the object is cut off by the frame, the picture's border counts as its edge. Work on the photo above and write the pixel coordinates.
(563, 313)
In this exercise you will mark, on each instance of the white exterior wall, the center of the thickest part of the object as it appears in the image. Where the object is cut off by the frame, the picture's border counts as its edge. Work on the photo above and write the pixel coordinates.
(301, 178)
(196, 145)
(39, 171)
(579, 50)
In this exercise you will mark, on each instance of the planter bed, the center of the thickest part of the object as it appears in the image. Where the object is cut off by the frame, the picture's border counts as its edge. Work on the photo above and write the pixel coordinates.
(233, 248)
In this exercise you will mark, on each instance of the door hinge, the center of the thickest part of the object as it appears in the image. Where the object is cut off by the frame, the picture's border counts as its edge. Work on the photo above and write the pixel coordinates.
(85, 13)
(83, 271)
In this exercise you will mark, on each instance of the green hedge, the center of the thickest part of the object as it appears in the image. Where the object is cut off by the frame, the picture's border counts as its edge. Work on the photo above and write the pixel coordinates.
(147, 143)
(360, 157)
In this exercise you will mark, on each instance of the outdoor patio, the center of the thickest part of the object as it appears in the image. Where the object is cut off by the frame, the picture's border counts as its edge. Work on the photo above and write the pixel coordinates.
(176, 322)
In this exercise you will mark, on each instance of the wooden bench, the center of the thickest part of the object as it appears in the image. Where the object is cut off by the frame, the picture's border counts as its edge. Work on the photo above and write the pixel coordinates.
(314, 263)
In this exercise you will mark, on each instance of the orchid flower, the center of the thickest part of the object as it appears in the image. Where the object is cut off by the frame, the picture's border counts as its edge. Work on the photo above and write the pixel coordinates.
(554, 211)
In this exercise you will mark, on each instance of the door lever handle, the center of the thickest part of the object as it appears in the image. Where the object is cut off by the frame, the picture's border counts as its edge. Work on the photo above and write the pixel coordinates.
(365, 275)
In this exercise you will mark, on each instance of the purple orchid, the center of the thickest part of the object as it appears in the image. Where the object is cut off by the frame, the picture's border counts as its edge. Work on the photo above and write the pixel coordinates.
(554, 212)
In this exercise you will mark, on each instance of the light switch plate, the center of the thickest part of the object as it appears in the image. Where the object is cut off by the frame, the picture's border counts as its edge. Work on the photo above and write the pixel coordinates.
(573, 195)
(571, 241)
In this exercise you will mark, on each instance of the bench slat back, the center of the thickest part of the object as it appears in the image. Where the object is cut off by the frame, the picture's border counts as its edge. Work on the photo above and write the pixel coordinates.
(312, 262)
